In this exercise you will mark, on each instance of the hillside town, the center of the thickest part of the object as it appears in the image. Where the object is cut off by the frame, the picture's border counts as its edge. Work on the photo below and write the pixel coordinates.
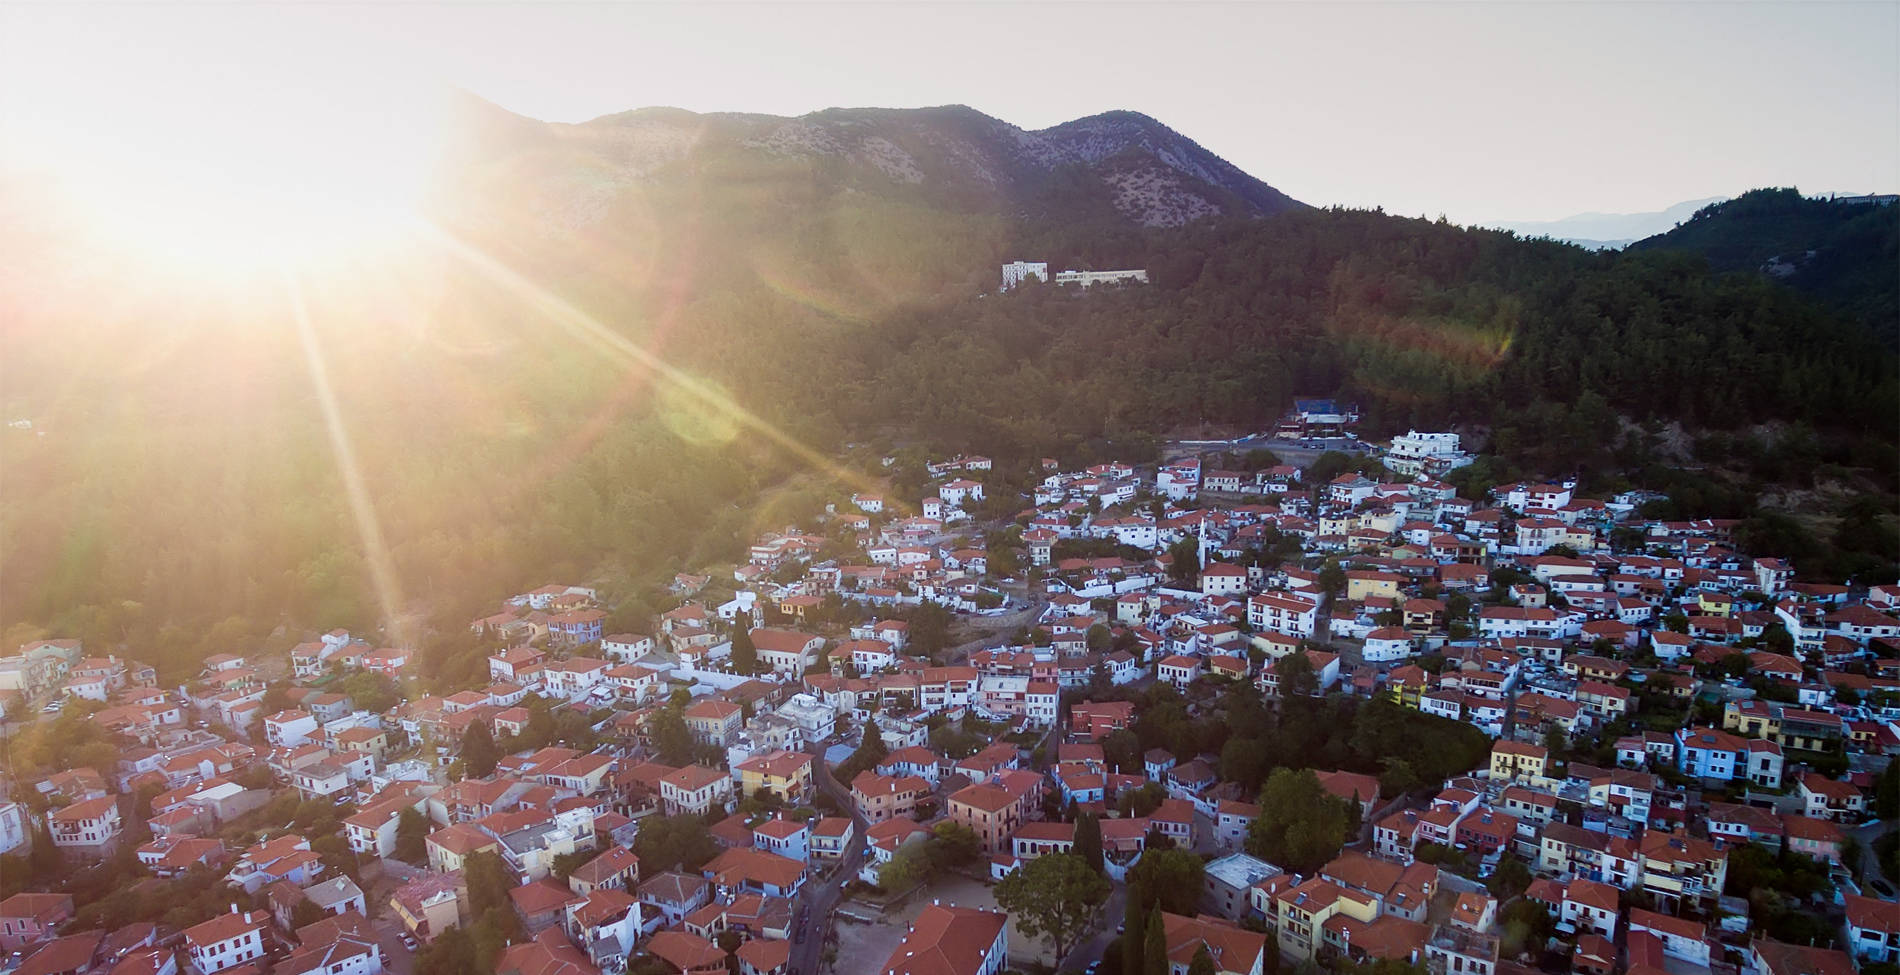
(1223, 714)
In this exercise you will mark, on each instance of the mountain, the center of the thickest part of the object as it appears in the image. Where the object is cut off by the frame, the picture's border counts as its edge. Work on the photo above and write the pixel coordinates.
(1843, 251)
(1120, 162)
(1608, 231)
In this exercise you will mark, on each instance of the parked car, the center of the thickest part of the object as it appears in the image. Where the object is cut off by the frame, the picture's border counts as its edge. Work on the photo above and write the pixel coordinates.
(409, 941)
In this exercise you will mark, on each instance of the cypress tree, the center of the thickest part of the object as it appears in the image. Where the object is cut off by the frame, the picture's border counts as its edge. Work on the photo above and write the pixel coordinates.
(1088, 841)
(745, 656)
(1154, 956)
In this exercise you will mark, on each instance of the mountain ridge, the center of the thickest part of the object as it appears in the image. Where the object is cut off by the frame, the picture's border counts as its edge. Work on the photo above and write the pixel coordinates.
(1143, 170)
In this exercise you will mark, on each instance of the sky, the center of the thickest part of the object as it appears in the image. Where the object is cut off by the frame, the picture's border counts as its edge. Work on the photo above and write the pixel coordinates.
(1481, 112)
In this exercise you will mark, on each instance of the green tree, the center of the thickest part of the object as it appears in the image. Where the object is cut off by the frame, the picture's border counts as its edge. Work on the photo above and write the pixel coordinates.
(1054, 897)
(412, 829)
(1510, 879)
(1297, 677)
(670, 736)
(745, 656)
(1142, 801)
(479, 753)
(1172, 879)
(1203, 963)
(1332, 578)
(489, 881)
(1134, 912)
(680, 842)
(1300, 826)
(1887, 792)
(953, 844)
(1184, 561)
(306, 913)
(1154, 944)
(906, 868)
(1088, 841)
(450, 953)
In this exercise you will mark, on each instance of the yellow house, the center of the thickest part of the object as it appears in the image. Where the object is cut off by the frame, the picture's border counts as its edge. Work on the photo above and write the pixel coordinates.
(1715, 604)
(1337, 524)
(1405, 684)
(784, 774)
(1510, 760)
(450, 848)
(1362, 584)
(1386, 521)
(1304, 911)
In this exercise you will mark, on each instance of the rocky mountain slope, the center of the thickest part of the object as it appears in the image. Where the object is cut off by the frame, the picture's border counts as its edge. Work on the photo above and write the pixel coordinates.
(1120, 162)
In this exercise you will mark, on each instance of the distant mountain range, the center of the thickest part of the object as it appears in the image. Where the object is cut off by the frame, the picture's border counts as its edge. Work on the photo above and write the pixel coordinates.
(1127, 162)
(1609, 231)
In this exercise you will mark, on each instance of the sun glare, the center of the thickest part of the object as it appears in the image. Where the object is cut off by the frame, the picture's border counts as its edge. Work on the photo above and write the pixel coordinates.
(237, 192)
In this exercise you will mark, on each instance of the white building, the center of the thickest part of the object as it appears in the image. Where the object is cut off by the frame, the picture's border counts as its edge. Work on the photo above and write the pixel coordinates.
(1283, 612)
(1087, 278)
(1417, 453)
(1016, 272)
(226, 941)
(12, 826)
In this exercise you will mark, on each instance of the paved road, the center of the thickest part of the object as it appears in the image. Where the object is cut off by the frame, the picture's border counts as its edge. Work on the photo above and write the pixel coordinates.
(1870, 867)
(1095, 944)
(821, 897)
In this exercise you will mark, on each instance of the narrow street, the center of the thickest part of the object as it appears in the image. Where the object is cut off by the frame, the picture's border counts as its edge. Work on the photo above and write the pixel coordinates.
(821, 897)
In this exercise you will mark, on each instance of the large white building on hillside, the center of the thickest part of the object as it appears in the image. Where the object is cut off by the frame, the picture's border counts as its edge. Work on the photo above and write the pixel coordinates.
(1425, 453)
(1016, 272)
(1086, 278)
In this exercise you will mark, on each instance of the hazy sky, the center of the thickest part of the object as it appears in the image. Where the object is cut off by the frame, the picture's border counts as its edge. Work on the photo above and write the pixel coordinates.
(1479, 111)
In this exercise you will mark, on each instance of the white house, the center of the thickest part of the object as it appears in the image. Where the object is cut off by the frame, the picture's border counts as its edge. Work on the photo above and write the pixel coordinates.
(226, 941)
(1283, 612)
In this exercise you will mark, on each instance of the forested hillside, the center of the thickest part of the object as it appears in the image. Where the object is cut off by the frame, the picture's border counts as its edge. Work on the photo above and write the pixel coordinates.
(596, 369)
(1843, 254)
(1421, 323)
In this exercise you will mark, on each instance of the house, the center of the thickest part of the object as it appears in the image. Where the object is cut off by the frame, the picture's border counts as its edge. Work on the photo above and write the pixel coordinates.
(449, 848)
(88, 830)
(687, 953)
(226, 941)
(1768, 957)
(765, 956)
(1511, 760)
(784, 774)
(615, 868)
(695, 789)
(1282, 612)
(1825, 798)
(830, 837)
(28, 918)
(744, 870)
(430, 904)
(1873, 929)
(339, 954)
(1680, 938)
(991, 812)
(1233, 949)
(789, 838)
(1228, 882)
(713, 721)
(1178, 670)
(786, 652)
(674, 895)
(1095, 720)
(881, 797)
(951, 941)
